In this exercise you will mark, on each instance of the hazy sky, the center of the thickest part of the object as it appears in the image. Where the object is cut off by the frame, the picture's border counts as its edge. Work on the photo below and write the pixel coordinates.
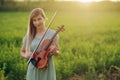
(88, 0)
(77, 0)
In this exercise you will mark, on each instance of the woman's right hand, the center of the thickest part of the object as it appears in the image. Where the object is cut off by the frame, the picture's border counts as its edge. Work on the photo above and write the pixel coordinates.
(28, 55)
(24, 54)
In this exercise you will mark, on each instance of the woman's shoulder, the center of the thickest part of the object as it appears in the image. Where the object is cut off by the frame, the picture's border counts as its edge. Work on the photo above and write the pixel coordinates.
(25, 37)
(51, 31)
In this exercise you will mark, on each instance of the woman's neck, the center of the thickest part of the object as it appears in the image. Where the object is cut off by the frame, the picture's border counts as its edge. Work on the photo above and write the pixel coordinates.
(41, 30)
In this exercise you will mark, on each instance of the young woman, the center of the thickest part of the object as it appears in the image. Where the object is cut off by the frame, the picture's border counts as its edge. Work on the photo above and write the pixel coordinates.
(36, 30)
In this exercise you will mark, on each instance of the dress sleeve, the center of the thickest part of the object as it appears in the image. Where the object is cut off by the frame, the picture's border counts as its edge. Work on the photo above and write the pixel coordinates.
(24, 41)
(57, 39)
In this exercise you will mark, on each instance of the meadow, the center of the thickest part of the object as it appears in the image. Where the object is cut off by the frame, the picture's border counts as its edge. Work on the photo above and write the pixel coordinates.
(89, 46)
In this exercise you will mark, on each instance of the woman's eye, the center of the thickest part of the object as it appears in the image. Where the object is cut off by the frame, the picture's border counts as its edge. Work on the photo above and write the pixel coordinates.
(39, 18)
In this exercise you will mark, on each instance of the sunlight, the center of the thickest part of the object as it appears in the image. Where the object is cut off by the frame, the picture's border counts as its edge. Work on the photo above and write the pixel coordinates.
(86, 1)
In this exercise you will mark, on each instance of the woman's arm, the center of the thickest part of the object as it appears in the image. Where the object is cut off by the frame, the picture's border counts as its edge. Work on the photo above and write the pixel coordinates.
(24, 54)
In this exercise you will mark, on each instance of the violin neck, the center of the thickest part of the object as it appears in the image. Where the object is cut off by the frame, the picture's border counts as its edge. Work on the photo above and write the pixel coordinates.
(51, 40)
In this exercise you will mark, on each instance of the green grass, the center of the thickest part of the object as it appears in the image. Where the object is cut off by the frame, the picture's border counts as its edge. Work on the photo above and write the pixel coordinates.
(89, 45)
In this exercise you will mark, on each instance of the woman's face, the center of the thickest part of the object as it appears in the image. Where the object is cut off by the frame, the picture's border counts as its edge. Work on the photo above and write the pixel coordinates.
(38, 21)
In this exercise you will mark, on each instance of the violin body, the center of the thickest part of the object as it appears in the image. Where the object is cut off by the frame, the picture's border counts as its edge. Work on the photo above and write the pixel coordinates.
(41, 57)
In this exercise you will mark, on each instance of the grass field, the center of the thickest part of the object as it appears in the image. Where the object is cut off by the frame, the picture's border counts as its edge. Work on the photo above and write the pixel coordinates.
(89, 46)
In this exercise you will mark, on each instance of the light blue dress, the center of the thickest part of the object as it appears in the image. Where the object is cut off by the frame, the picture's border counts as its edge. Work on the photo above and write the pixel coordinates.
(48, 73)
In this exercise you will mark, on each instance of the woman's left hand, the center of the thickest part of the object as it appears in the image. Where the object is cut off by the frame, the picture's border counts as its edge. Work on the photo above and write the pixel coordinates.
(54, 49)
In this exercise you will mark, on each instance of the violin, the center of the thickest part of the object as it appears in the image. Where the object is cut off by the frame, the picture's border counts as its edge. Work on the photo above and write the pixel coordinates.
(40, 59)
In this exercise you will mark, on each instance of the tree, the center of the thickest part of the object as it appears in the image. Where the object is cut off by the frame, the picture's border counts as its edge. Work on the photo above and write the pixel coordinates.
(2, 2)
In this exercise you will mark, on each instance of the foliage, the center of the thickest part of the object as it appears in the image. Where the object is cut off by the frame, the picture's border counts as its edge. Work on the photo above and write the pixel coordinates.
(89, 46)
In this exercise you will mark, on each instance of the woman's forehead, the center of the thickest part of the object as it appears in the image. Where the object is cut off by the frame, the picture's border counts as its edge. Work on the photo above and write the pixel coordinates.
(37, 16)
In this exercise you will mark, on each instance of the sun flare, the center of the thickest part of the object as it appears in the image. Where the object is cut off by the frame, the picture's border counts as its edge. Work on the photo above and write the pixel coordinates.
(86, 1)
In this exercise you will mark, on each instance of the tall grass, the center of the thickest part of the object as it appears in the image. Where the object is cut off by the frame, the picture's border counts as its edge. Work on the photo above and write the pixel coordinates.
(88, 46)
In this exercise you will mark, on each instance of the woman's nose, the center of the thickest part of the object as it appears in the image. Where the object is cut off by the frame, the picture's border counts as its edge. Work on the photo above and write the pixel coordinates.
(37, 22)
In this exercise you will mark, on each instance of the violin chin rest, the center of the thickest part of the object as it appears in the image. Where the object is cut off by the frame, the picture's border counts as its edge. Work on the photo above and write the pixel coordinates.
(33, 62)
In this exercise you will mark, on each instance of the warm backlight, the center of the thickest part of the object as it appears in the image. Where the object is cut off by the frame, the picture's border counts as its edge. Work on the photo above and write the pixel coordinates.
(85, 1)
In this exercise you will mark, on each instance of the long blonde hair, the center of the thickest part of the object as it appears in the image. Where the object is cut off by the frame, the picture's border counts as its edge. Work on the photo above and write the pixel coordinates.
(31, 31)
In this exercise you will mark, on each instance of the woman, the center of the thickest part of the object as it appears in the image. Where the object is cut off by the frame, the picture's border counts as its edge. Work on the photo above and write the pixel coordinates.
(36, 30)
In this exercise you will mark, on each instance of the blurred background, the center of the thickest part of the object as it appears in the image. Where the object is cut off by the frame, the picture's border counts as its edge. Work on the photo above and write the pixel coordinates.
(89, 46)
